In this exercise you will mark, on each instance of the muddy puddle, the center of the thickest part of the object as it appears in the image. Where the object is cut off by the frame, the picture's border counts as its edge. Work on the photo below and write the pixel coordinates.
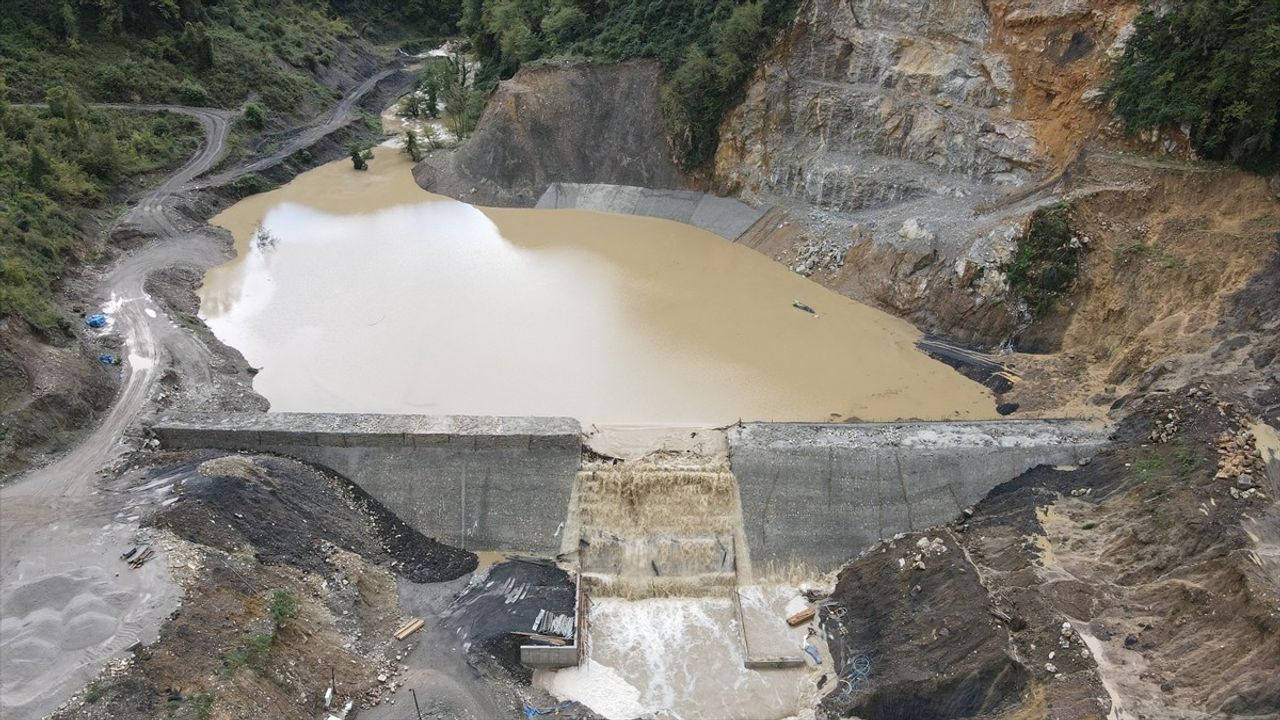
(360, 292)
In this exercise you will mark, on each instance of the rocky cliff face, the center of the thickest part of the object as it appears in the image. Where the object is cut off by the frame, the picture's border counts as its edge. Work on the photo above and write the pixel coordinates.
(579, 123)
(908, 140)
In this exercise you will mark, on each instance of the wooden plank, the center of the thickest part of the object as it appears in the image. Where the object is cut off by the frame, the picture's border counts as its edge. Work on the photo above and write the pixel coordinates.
(408, 629)
(553, 639)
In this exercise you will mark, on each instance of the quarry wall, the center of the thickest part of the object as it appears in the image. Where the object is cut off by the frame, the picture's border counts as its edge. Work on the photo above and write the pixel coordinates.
(481, 483)
(820, 494)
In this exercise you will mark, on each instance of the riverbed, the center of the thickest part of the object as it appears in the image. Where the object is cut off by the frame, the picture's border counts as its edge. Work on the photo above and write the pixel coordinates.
(360, 292)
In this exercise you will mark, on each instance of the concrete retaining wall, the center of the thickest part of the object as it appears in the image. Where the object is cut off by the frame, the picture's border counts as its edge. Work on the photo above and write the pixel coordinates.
(482, 483)
(820, 494)
(723, 216)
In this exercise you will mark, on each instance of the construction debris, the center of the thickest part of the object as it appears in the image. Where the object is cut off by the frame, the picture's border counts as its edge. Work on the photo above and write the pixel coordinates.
(409, 628)
(539, 637)
(801, 617)
(142, 558)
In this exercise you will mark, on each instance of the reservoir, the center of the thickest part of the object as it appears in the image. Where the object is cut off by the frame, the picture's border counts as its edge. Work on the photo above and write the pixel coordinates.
(361, 292)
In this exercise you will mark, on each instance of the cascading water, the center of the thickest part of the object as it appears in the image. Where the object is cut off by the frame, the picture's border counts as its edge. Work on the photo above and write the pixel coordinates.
(660, 545)
(652, 530)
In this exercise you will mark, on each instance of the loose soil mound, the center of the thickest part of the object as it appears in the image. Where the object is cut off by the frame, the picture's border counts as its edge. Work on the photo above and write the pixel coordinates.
(287, 511)
(912, 641)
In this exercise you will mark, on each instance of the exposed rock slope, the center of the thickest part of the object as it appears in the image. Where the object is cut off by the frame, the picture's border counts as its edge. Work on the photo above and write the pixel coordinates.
(909, 140)
(1138, 586)
(579, 124)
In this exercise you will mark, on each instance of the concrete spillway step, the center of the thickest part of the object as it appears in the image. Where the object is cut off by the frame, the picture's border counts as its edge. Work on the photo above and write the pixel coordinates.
(645, 502)
(644, 530)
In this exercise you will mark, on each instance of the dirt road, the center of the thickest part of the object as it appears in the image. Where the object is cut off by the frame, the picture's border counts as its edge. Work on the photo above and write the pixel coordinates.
(67, 603)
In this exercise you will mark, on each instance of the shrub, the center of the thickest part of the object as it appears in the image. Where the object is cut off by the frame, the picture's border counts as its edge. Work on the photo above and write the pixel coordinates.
(253, 653)
(190, 92)
(1211, 65)
(250, 184)
(283, 607)
(255, 115)
(1047, 258)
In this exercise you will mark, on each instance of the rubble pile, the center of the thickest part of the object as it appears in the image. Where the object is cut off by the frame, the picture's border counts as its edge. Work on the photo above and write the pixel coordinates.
(1240, 463)
(818, 253)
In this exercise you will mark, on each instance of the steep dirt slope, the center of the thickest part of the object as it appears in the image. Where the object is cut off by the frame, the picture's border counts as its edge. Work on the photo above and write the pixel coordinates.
(576, 123)
(1177, 282)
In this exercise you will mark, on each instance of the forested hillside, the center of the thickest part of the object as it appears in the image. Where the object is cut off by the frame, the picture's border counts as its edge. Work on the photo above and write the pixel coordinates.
(56, 165)
(196, 52)
(61, 166)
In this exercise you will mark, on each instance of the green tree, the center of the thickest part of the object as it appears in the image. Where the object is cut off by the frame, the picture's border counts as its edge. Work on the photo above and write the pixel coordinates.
(1212, 66)
(463, 103)
(66, 104)
(37, 166)
(411, 145)
(691, 106)
(565, 24)
(432, 104)
(740, 36)
(357, 159)
(410, 106)
(103, 159)
(197, 45)
(68, 24)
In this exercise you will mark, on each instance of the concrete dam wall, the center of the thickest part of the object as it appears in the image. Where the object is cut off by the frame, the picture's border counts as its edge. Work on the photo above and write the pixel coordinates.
(723, 216)
(481, 483)
(820, 494)
(812, 493)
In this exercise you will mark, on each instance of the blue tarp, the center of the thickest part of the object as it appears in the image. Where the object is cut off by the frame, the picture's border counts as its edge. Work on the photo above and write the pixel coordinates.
(96, 321)
(107, 359)
(530, 712)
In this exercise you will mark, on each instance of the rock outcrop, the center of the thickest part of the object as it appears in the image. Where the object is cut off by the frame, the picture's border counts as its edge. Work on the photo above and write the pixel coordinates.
(909, 139)
(558, 123)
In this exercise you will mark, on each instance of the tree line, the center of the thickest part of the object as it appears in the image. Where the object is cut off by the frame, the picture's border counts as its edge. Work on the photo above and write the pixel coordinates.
(1212, 66)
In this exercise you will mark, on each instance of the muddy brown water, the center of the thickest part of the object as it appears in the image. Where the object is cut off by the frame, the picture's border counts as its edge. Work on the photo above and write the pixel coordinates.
(360, 292)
